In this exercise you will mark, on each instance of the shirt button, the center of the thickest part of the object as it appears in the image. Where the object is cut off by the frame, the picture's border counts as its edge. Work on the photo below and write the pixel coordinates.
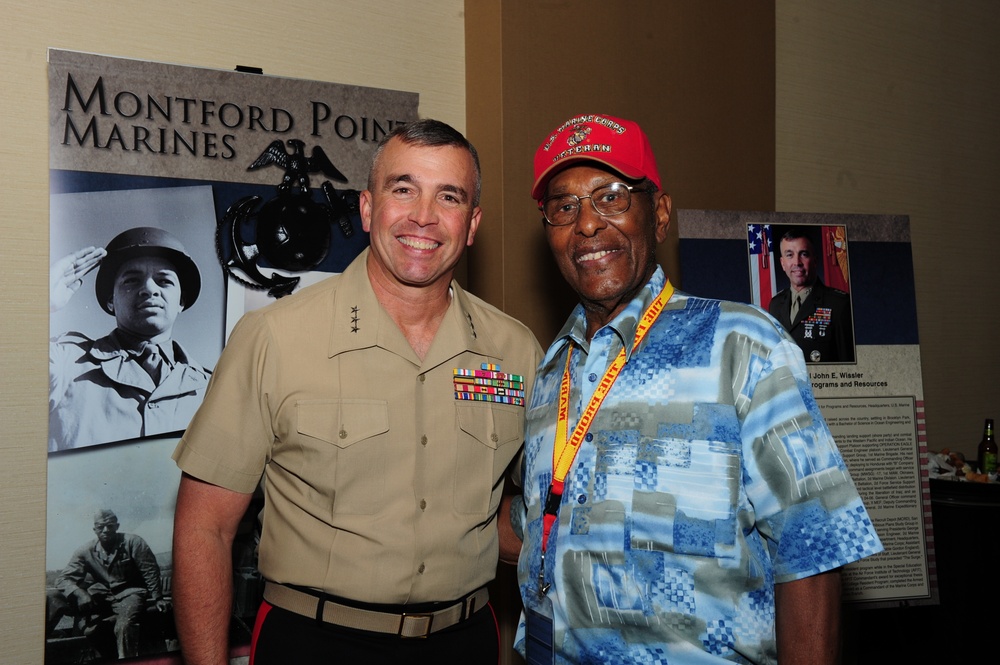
(589, 436)
(422, 378)
(592, 377)
(420, 569)
(423, 504)
(494, 438)
(582, 498)
(343, 434)
(423, 440)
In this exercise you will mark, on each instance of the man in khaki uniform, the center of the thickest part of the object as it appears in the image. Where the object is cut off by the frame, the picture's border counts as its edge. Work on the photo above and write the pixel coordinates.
(383, 407)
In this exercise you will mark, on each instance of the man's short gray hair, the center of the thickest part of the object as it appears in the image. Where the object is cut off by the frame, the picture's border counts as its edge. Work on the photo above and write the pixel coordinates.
(433, 134)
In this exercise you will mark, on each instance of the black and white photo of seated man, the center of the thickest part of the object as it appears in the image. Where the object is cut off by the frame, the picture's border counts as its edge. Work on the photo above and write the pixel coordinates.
(817, 316)
(136, 381)
(111, 592)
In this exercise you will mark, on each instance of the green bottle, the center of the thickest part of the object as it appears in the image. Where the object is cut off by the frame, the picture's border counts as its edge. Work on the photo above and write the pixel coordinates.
(988, 449)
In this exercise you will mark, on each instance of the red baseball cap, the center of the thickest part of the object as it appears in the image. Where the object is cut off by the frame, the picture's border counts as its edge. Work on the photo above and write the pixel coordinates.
(618, 144)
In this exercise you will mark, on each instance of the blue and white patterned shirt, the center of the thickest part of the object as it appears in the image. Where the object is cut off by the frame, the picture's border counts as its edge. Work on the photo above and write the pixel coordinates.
(707, 476)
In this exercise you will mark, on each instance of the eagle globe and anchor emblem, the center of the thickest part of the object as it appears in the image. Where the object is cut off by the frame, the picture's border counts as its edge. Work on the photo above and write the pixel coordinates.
(291, 232)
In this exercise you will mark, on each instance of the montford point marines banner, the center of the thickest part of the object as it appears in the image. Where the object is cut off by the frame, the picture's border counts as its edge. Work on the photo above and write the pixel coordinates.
(180, 197)
(856, 323)
(112, 115)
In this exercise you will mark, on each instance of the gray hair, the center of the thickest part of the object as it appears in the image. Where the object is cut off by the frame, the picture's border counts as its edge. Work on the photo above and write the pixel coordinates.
(433, 134)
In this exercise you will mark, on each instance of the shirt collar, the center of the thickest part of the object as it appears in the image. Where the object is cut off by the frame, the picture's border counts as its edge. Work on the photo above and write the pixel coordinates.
(134, 345)
(623, 325)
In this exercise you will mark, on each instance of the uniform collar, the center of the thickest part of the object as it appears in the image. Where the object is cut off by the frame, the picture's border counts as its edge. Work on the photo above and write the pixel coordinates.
(360, 322)
(119, 344)
(134, 345)
(109, 555)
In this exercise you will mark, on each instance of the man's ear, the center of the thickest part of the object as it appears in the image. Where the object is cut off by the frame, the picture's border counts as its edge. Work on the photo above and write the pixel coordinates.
(477, 215)
(662, 211)
(365, 208)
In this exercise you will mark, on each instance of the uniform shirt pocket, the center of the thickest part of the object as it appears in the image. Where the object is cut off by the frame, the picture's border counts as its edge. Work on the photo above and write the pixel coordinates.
(490, 435)
(344, 444)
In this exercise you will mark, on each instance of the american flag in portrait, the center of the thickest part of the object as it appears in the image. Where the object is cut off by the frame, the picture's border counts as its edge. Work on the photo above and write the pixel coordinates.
(762, 285)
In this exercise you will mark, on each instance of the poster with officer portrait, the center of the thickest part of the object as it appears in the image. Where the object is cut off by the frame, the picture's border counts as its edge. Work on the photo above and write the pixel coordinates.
(180, 197)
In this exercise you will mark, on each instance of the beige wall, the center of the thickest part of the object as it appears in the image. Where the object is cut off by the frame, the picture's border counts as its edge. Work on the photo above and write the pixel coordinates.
(892, 107)
(383, 43)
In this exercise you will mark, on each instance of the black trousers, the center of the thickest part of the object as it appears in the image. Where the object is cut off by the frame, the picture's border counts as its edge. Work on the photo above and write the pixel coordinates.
(286, 638)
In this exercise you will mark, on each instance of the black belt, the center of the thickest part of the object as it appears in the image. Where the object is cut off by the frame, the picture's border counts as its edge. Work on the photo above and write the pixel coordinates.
(416, 624)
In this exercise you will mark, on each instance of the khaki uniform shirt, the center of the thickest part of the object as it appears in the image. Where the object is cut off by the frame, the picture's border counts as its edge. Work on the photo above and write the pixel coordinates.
(379, 484)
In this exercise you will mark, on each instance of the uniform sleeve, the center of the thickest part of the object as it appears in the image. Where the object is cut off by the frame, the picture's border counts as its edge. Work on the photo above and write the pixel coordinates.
(73, 574)
(845, 334)
(62, 355)
(229, 439)
(145, 560)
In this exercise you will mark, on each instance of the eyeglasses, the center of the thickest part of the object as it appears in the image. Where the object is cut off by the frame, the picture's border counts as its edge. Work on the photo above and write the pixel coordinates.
(612, 199)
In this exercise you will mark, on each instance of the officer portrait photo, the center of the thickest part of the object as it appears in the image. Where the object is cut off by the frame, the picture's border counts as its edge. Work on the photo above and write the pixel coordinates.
(136, 313)
(812, 299)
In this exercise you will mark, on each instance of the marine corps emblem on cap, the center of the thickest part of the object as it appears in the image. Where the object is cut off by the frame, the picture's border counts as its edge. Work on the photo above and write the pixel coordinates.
(578, 134)
(618, 144)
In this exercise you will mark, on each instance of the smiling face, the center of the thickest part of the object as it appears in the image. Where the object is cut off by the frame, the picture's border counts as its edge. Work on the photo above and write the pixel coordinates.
(606, 260)
(147, 297)
(798, 262)
(420, 214)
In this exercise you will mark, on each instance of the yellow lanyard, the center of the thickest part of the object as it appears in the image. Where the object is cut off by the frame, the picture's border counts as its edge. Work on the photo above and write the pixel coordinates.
(564, 451)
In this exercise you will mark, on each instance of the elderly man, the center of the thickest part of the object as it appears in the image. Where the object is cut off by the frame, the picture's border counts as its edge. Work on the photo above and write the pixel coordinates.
(684, 501)
(382, 406)
(817, 316)
(136, 381)
(114, 575)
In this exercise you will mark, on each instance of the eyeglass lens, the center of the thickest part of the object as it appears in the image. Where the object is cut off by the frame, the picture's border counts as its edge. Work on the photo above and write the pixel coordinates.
(611, 199)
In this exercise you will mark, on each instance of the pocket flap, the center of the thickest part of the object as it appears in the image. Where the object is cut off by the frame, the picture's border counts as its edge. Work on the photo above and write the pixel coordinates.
(342, 422)
(493, 425)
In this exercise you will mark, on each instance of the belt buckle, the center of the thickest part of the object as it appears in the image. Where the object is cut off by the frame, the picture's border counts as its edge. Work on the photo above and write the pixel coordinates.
(402, 621)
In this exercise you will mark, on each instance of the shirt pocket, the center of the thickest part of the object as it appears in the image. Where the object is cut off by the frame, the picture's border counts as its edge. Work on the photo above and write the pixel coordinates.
(343, 446)
(684, 497)
(489, 437)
